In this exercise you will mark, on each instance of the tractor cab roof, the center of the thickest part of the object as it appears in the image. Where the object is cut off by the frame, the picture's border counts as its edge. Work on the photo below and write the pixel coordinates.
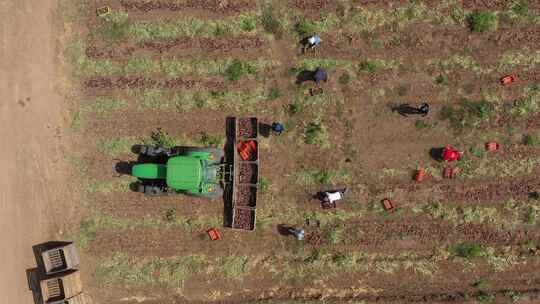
(184, 173)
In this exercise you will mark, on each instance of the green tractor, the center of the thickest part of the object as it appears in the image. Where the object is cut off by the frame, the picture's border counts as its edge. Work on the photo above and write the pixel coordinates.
(180, 170)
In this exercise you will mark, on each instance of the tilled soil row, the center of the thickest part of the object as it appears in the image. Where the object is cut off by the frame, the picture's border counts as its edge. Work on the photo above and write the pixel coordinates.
(146, 83)
(420, 41)
(221, 45)
(222, 7)
(436, 232)
(484, 192)
(426, 297)
(492, 191)
(517, 152)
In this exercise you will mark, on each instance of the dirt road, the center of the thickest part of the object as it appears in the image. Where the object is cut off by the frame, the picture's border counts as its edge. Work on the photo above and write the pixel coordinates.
(31, 167)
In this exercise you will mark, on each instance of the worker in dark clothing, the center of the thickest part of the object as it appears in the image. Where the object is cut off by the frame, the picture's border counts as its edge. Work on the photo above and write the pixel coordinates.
(423, 109)
(277, 128)
(320, 75)
(406, 109)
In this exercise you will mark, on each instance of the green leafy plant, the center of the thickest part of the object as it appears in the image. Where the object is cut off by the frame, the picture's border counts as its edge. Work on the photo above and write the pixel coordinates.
(270, 23)
(520, 8)
(484, 297)
(304, 28)
(481, 285)
(237, 69)
(208, 140)
(513, 295)
(420, 124)
(317, 134)
(531, 140)
(442, 80)
(248, 25)
(467, 113)
(478, 152)
(368, 66)
(297, 107)
(344, 79)
(274, 93)
(116, 26)
(483, 21)
(468, 250)
(160, 137)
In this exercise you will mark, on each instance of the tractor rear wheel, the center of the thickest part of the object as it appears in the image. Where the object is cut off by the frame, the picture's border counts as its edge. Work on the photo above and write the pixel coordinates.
(154, 151)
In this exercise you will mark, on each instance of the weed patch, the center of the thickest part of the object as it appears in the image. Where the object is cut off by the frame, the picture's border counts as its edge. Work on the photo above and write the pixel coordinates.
(242, 24)
(316, 133)
(483, 21)
(171, 272)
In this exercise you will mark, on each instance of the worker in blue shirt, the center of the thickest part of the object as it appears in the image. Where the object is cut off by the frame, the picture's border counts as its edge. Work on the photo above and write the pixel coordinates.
(312, 42)
(298, 233)
(320, 75)
(277, 128)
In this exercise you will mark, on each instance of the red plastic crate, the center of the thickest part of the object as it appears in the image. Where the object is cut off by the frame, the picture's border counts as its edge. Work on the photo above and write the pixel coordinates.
(448, 172)
(492, 146)
(388, 204)
(420, 175)
(214, 234)
(246, 149)
(508, 79)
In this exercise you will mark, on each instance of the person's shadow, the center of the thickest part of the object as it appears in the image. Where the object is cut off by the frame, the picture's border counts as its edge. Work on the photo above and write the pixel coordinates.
(406, 109)
(436, 153)
(304, 76)
(265, 129)
(284, 230)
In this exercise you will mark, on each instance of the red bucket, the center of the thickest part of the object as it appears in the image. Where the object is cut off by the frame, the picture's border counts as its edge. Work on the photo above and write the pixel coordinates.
(492, 146)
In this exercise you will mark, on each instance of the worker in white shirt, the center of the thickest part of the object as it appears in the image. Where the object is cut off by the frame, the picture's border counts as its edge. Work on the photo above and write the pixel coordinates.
(329, 198)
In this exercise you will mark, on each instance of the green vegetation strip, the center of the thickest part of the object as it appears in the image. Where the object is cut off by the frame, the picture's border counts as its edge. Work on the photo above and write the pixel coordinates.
(512, 215)
(446, 13)
(315, 264)
(173, 272)
(246, 100)
(174, 67)
(122, 145)
(99, 222)
(525, 58)
(102, 107)
(117, 26)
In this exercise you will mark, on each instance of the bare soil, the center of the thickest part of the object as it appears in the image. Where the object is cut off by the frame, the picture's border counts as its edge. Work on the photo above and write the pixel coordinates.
(35, 201)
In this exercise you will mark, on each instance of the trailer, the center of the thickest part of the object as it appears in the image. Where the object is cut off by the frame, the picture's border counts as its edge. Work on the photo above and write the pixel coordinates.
(245, 167)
